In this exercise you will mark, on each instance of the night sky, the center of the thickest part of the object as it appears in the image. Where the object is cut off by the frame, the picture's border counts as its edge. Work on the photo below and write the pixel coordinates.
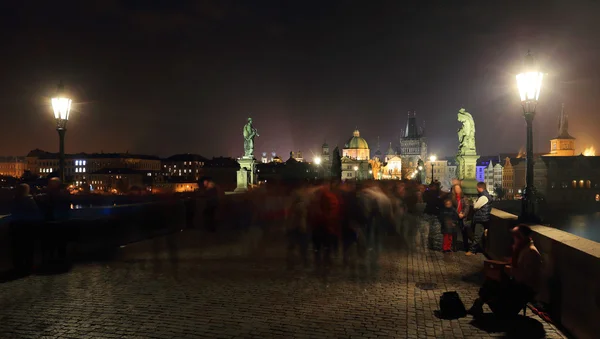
(165, 77)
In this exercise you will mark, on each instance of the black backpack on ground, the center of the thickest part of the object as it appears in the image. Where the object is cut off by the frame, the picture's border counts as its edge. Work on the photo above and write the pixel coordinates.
(451, 307)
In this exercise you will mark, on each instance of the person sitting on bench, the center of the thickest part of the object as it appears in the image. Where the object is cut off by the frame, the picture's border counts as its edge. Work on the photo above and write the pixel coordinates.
(508, 296)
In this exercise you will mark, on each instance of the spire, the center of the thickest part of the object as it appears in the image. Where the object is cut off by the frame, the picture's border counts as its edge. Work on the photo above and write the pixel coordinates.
(563, 125)
(411, 127)
(390, 150)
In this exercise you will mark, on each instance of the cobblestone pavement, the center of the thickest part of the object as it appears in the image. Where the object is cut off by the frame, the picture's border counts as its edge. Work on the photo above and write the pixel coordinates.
(192, 285)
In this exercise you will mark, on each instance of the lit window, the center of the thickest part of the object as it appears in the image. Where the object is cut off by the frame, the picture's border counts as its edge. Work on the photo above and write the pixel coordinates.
(597, 197)
(574, 183)
(84, 162)
(580, 183)
(588, 184)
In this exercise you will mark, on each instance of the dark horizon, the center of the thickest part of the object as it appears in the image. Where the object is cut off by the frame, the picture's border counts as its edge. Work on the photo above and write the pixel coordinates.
(167, 78)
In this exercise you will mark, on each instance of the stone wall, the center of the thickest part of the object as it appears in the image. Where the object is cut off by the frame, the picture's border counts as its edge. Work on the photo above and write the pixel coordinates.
(571, 272)
(102, 229)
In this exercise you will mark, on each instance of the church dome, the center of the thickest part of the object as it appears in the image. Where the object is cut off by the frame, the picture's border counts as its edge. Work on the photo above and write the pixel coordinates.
(356, 142)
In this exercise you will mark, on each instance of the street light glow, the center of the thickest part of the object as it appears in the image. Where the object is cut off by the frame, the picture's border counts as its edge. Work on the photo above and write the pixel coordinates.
(529, 81)
(61, 107)
(432, 158)
(420, 168)
(317, 160)
(356, 168)
(530, 84)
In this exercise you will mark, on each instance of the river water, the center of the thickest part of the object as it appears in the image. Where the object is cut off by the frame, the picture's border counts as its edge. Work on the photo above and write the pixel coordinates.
(585, 225)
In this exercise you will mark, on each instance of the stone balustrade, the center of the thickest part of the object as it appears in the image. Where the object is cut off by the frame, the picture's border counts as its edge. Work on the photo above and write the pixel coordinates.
(571, 272)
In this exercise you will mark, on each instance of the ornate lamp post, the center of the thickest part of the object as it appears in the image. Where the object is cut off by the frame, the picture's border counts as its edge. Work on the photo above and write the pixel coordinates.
(529, 83)
(355, 172)
(432, 159)
(62, 107)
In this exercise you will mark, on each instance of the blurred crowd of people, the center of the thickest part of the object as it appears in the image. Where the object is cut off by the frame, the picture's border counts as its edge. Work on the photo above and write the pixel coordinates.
(354, 217)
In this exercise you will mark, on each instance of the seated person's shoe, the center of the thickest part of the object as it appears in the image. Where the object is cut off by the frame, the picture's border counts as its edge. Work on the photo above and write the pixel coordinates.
(476, 310)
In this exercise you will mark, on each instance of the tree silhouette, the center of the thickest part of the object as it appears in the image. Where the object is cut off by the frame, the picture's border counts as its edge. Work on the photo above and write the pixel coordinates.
(336, 164)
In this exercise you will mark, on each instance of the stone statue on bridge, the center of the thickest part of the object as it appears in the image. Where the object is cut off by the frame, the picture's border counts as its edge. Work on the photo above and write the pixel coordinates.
(466, 157)
(249, 134)
(466, 134)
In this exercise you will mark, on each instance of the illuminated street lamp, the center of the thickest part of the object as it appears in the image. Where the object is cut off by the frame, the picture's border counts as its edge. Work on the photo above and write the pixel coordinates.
(432, 159)
(317, 161)
(356, 172)
(61, 105)
(529, 83)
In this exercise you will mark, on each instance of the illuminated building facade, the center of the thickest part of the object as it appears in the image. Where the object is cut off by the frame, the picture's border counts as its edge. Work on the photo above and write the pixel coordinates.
(185, 165)
(12, 166)
(413, 146)
(356, 148)
(563, 144)
(355, 158)
(392, 168)
(572, 179)
(79, 166)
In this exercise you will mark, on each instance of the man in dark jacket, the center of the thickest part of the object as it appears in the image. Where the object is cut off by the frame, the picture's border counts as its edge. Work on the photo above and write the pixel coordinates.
(481, 219)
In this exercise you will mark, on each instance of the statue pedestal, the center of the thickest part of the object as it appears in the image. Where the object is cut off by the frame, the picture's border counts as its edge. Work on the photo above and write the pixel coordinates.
(467, 169)
(246, 175)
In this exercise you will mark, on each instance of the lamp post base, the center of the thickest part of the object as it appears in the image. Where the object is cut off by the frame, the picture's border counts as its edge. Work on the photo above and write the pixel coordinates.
(529, 204)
